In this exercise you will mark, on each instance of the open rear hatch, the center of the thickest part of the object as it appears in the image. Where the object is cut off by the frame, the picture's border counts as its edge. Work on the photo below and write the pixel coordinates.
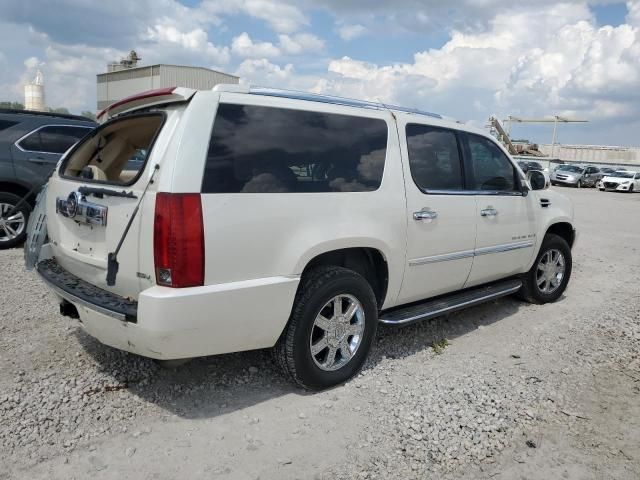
(92, 199)
(149, 98)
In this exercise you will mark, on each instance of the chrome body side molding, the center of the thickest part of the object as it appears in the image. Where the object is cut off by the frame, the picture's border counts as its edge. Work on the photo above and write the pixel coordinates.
(507, 247)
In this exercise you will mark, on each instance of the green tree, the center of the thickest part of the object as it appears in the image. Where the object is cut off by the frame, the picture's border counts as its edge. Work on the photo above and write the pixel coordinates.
(60, 110)
(89, 114)
(12, 105)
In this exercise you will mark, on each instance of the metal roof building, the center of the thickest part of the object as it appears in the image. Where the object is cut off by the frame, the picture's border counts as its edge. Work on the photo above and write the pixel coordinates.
(119, 83)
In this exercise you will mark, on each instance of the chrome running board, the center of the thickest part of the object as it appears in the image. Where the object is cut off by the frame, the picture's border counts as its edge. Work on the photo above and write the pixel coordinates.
(450, 303)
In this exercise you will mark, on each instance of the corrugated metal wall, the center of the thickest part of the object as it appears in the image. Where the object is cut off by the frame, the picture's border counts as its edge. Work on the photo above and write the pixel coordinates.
(594, 154)
(115, 86)
(197, 78)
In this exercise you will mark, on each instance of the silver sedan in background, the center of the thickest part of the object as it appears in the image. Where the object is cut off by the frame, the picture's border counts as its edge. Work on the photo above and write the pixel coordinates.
(575, 176)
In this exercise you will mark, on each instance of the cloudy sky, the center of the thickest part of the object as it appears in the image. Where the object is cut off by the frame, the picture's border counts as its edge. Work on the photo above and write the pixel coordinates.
(467, 59)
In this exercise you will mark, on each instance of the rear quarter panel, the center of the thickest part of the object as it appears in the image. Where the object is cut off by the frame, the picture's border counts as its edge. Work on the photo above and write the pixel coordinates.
(258, 235)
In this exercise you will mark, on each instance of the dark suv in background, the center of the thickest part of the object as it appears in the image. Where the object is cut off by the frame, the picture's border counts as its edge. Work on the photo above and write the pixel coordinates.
(31, 143)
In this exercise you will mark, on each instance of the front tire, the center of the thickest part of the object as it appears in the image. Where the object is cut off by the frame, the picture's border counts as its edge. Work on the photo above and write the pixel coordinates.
(13, 229)
(331, 328)
(630, 189)
(579, 184)
(547, 279)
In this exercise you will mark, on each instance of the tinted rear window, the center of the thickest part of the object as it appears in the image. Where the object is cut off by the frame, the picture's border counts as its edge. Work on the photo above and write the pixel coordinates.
(53, 139)
(256, 149)
(434, 158)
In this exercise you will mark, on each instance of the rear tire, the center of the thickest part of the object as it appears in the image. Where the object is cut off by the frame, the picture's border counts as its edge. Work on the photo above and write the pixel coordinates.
(14, 232)
(542, 284)
(320, 347)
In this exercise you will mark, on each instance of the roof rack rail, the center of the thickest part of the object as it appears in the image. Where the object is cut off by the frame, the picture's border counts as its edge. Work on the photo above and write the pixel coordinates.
(316, 97)
(68, 116)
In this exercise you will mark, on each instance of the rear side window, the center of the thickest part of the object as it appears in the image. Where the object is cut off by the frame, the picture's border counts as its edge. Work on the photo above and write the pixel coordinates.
(491, 170)
(256, 149)
(116, 152)
(53, 139)
(434, 158)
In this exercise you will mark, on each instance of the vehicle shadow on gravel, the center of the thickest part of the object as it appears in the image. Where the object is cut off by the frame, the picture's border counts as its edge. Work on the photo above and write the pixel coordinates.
(401, 342)
(211, 386)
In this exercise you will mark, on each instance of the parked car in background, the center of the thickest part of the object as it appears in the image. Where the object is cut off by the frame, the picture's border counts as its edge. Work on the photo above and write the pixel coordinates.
(268, 218)
(621, 181)
(575, 176)
(31, 144)
(606, 170)
(526, 165)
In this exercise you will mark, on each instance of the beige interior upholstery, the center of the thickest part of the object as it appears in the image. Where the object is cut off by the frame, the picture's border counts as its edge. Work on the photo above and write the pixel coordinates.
(107, 153)
(98, 174)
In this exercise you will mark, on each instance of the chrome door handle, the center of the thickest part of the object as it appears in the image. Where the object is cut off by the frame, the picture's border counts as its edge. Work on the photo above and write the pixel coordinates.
(425, 214)
(489, 212)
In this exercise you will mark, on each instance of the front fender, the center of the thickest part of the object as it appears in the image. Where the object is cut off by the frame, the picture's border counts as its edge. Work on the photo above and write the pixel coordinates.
(560, 210)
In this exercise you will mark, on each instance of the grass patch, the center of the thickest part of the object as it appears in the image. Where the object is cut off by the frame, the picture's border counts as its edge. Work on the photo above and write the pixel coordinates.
(440, 345)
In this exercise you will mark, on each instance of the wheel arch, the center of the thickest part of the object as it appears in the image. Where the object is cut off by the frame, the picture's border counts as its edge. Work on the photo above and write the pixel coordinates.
(369, 262)
(564, 230)
(17, 189)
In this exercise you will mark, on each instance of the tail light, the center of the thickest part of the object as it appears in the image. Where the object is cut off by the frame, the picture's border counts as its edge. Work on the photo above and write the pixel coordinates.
(178, 240)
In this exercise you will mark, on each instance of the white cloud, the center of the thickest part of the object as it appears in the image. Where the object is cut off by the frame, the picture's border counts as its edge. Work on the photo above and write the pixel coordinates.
(164, 39)
(296, 44)
(530, 61)
(281, 16)
(32, 63)
(633, 15)
(300, 43)
(263, 72)
(243, 46)
(350, 32)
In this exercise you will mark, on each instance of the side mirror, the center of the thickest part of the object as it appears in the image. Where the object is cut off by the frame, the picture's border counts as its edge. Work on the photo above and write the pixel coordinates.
(537, 180)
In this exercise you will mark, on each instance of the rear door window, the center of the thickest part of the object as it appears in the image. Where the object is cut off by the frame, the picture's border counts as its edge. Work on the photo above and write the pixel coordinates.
(115, 152)
(53, 139)
(256, 149)
(434, 158)
(489, 168)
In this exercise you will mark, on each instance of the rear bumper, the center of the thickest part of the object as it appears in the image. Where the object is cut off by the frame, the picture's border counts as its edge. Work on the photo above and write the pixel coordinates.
(79, 292)
(189, 322)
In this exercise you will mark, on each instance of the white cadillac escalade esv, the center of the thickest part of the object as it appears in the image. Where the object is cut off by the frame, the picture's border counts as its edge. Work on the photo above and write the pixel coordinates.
(199, 223)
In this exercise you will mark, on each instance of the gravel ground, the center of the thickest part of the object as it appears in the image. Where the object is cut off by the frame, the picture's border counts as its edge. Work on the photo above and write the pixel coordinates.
(505, 390)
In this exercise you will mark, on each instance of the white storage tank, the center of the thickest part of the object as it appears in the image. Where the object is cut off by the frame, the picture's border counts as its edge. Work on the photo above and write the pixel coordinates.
(34, 94)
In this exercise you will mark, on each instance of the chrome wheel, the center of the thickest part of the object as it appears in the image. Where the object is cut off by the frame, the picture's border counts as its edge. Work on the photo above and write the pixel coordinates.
(13, 226)
(337, 332)
(550, 271)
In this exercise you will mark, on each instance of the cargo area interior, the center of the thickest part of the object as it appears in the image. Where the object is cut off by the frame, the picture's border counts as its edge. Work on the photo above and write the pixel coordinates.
(116, 153)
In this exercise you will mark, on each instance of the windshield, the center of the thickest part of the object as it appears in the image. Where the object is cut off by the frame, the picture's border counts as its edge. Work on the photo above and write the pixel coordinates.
(622, 174)
(571, 168)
